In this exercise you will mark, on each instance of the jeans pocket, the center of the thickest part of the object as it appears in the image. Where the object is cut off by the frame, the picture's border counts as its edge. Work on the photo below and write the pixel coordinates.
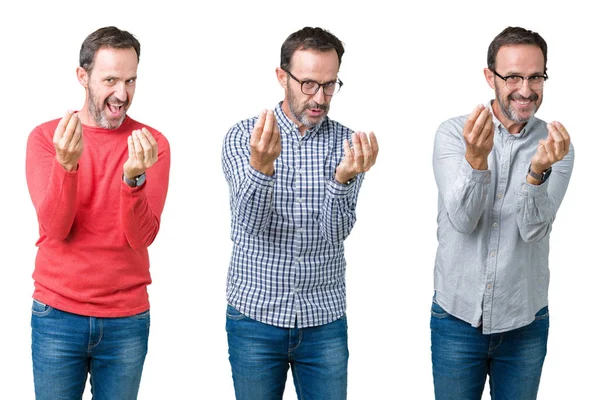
(437, 311)
(542, 314)
(233, 314)
(40, 309)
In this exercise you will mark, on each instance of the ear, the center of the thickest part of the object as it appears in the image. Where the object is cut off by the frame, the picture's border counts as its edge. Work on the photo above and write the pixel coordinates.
(82, 77)
(489, 77)
(281, 77)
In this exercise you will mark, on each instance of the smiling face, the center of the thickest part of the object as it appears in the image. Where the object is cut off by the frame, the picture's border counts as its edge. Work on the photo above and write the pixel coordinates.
(110, 86)
(307, 111)
(514, 107)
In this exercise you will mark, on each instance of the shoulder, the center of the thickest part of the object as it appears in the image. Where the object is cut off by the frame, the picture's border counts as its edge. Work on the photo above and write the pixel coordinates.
(241, 130)
(334, 128)
(158, 136)
(454, 125)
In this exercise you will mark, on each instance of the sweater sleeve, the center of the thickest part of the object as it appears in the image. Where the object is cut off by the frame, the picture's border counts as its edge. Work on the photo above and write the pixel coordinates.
(53, 189)
(142, 207)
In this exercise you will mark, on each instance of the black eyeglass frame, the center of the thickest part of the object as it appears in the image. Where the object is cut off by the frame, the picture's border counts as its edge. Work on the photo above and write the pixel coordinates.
(319, 85)
(523, 78)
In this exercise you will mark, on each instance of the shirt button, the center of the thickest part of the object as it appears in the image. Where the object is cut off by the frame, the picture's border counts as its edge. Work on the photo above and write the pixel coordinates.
(299, 200)
(495, 224)
(499, 195)
(489, 285)
(493, 254)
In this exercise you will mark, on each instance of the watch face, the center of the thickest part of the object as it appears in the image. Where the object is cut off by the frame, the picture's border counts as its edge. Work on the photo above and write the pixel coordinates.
(140, 180)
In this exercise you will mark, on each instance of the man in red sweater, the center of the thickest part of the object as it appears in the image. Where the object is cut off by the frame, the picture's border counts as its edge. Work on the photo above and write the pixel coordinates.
(98, 181)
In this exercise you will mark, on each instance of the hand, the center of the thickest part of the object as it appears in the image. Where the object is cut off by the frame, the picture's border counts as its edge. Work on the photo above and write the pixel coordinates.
(143, 153)
(479, 137)
(265, 143)
(360, 158)
(68, 141)
(552, 149)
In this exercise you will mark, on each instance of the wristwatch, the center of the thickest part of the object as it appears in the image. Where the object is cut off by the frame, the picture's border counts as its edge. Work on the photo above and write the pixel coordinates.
(135, 182)
(540, 177)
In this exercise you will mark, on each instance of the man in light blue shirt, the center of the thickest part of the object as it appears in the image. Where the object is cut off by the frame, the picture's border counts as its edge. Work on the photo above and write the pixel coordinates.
(501, 174)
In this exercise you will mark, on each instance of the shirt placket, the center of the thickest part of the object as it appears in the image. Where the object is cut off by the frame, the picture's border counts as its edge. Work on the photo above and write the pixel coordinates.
(502, 170)
(300, 165)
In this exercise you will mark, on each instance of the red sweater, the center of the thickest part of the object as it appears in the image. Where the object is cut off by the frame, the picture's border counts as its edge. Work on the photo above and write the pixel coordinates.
(94, 229)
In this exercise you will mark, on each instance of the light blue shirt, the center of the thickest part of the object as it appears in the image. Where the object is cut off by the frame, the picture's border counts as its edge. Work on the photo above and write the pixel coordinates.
(491, 266)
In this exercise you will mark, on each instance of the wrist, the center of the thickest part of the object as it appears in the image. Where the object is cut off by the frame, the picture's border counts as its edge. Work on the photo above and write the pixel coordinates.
(477, 163)
(342, 178)
(136, 181)
(267, 169)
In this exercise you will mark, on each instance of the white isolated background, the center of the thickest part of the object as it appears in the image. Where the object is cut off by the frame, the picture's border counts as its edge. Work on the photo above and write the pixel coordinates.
(205, 66)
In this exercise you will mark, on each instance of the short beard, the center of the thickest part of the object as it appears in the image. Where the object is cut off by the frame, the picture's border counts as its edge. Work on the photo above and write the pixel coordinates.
(510, 113)
(100, 116)
(301, 116)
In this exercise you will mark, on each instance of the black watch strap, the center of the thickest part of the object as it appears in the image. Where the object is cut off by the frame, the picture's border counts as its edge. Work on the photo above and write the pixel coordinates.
(540, 177)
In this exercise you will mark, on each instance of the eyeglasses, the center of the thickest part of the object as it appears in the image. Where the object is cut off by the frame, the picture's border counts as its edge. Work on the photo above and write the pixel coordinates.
(311, 87)
(516, 81)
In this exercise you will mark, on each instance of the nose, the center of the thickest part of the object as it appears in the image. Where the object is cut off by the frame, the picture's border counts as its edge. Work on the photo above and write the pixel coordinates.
(525, 90)
(120, 91)
(320, 97)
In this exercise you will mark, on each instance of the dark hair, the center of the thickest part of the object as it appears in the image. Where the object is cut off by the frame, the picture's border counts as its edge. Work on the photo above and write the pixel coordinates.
(110, 37)
(515, 35)
(310, 39)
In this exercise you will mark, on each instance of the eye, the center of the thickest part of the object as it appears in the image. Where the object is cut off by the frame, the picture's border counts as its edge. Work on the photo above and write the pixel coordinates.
(536, 78)
(130, 81)
(310, 85)
(514, 79)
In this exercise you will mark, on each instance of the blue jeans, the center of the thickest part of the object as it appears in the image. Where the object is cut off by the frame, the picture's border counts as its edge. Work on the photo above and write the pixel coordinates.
(66, 347)
(260, 355)
(462, 357)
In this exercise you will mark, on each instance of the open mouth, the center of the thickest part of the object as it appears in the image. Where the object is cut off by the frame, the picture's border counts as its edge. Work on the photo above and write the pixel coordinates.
(116, 110)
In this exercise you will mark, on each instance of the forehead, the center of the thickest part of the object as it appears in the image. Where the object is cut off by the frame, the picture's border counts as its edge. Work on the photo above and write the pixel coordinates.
(523, 58)
(315, 65)
(116, 62)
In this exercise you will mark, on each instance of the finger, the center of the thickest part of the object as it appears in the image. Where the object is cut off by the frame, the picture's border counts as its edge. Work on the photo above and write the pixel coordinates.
(562, 131)
(267, 132)
(258, 128)
(471, 120)
(146, 146)
(366, 148)
(137, 147)
(276, 136)
(62, 124)
(131, 147)
(357, 148)
(69, 131)
(153, 144)
(549, 150)
(348, 154)
(480, 124)
(374, 146)
(77, 140)
(488, 129)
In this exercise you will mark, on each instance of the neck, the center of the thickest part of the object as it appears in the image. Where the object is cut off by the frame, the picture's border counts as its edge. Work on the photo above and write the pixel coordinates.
(511, 126)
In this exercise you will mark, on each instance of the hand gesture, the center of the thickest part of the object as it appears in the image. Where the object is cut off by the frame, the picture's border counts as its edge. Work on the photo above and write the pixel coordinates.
(479, 137)
(68, 141)
(552, 149)
(265, 143)
(359, 158)
(143, 153)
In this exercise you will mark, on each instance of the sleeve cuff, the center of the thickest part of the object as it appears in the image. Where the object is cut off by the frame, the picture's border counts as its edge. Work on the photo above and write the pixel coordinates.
(337, 189)
(475, 175)
(260, 179)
